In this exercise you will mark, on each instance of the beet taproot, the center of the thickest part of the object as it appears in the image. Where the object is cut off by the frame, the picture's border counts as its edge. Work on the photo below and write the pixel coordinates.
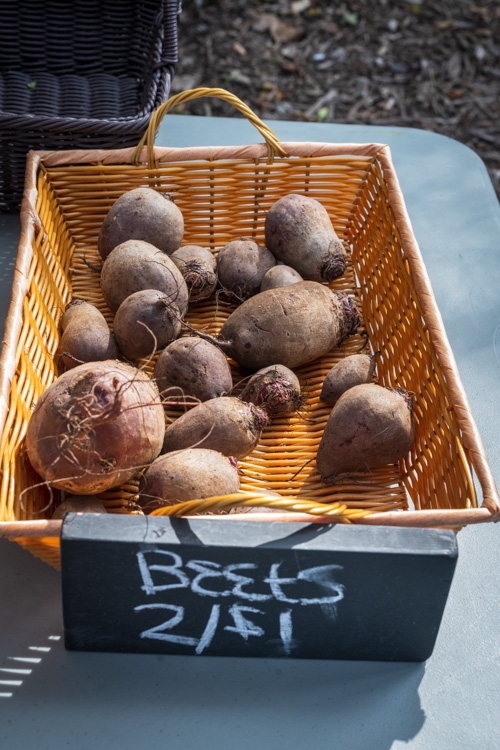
(146, 322)
(290, 326)
(276, 389)
(280, 275)
(241, 266)
(192, 369)
(135, 265)
(199, 268)
(79, 504)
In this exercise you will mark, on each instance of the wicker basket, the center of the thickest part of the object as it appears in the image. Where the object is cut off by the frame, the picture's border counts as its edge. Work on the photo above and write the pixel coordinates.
(224, 193)
(84, 74)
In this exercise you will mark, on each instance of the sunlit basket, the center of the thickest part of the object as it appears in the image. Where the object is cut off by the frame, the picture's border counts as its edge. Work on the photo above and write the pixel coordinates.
(224, 193)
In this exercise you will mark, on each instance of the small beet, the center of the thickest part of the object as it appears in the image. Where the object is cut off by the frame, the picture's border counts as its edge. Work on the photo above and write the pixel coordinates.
(276, 389)
(145, 322)
(241, 266)
(350, 371)
(79, 504)
(191, 368)
(185, 475)
(223, 424)
(369, 426)
(280, 275)
(86, 336)
(199, 269)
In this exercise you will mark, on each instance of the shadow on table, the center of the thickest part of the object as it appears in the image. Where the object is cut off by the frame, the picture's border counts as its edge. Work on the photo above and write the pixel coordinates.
(190, 702)
(204, 702)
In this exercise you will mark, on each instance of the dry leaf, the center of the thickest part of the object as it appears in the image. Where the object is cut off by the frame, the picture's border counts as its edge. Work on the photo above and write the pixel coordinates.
(239, 49)
(299, 6)
(236, 76)
(280, 32)
(289, 66)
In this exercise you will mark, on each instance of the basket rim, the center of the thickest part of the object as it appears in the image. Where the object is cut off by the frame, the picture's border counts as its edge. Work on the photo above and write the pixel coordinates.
(471, 439)
(167, 154)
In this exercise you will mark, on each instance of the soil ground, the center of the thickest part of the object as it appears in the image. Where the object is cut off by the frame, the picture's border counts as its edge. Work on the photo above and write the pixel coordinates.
(431, 64)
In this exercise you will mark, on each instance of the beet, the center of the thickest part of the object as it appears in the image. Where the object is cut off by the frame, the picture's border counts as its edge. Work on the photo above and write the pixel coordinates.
(95, 426)
(350, 371)
(290, 325)
(136, 265)
(369, 426)
(190, 474)
(241, 266)
(192, 369)
(224, 424)
(280, 275)
(299, 232)
(142, 214)
(276, 389)
(145, 322)
(199, 269)
(86, 336)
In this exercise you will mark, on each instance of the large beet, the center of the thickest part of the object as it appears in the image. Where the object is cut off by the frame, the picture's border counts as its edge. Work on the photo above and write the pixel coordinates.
(289, 325)
(95, 427)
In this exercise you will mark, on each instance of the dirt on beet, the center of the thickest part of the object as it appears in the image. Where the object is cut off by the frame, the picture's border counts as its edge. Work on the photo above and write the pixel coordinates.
(431, 64)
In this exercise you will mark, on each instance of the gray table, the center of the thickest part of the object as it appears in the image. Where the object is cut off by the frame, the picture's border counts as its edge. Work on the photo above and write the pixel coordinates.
(59, 698)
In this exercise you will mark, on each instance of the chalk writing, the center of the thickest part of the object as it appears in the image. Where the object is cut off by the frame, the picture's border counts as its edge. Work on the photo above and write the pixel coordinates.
(246, 587)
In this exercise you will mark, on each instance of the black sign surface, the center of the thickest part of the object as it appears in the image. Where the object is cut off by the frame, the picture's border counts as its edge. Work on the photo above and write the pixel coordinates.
(245, 588)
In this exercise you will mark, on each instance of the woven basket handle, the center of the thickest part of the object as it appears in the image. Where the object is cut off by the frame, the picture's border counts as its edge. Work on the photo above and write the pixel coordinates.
(273, 145)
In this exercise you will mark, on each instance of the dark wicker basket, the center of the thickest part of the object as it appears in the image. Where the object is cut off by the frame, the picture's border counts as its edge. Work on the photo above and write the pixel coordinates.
(86, 74)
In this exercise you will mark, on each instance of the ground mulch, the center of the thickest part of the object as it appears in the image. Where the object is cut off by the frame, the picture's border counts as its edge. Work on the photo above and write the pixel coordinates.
(431, 64)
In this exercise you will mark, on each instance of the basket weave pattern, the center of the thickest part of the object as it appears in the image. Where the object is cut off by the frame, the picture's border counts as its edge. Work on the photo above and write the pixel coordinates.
(224, 194)
(84, 74)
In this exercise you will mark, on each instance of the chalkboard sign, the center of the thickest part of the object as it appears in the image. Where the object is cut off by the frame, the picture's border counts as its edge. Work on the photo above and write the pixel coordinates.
(263, 589)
